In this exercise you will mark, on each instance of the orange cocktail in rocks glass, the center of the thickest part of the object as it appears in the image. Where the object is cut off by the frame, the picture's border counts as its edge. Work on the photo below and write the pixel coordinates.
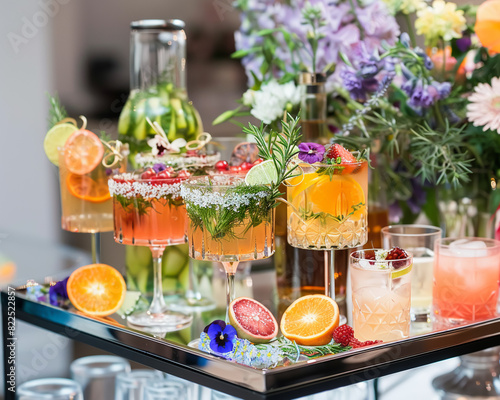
(148, 211)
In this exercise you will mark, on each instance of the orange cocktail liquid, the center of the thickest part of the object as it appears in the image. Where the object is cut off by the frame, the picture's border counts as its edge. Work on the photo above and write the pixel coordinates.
(245, 242)
(85, 199)
(328, 207)
(149, 214)
(465, 288)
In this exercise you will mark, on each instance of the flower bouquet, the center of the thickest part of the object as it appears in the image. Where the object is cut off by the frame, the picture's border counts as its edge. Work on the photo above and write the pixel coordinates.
(425, 102)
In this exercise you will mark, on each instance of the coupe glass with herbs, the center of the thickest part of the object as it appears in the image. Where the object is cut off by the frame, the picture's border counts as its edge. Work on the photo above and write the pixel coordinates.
(231, 217)
(229, 222)
(148, 211)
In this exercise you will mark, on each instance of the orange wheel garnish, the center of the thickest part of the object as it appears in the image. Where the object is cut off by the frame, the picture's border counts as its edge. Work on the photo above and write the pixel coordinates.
(83, 152)
(310, 320)
(86, 188)
(96, 289)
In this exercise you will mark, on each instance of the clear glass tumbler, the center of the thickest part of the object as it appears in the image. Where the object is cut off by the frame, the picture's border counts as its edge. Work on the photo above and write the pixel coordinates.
(466, 279)
(97, 375)
(50, 389)
(130, 385)
(419, 240)
(381, 292)
(166, 389)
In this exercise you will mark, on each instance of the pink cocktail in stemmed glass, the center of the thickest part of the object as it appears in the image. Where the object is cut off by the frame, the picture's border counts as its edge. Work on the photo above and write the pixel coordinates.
(148, 211)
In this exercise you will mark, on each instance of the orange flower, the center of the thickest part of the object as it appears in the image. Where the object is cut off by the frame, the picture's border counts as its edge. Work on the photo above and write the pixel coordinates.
(488, 25)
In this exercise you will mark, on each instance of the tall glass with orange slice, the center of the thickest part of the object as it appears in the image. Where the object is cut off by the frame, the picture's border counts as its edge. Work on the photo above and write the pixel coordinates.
(148, 211)
(85, 164)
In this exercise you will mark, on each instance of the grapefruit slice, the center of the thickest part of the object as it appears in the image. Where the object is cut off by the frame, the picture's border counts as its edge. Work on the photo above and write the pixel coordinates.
(310, 320)
(96, 289)
(252, 320)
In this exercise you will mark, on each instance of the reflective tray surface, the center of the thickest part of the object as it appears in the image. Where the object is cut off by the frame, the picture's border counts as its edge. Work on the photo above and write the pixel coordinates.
(171, 353)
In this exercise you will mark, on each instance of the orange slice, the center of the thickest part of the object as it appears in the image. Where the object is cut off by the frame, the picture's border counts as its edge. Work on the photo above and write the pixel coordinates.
(337, 196)
(86, 188)
(310, 320)
(83, 152)
(96, 289)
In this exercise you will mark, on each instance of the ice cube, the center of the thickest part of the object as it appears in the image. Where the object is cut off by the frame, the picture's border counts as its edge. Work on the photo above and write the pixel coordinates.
(468, 248)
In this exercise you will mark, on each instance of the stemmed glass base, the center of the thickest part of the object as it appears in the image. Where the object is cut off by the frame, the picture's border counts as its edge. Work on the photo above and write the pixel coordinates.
(230, 268)
(330, 279)
(158, 317)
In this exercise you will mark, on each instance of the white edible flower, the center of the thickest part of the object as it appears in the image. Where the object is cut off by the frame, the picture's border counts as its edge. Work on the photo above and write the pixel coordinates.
(266, 108)
(248, 97)
(484, 107)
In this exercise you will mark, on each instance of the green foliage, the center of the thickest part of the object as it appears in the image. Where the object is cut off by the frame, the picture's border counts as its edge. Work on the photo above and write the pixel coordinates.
(57, 112)
(280, 147)
(441, 155)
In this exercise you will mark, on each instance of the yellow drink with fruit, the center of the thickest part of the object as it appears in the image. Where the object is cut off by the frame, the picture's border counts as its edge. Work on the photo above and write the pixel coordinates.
(328, 202)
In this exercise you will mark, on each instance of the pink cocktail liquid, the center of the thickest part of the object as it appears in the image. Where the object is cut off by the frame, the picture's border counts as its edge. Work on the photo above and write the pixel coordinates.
(466, 288)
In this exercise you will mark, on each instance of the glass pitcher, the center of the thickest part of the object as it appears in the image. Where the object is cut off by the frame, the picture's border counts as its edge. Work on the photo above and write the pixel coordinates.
(158, 86)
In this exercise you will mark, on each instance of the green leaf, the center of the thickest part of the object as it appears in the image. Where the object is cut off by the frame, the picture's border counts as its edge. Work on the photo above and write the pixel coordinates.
(225, 116)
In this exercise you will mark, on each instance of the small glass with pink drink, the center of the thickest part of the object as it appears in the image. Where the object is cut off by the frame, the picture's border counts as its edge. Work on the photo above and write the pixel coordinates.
(466, 280)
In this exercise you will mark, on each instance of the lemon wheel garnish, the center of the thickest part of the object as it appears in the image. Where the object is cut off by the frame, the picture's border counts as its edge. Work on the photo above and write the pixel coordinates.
(402, 272)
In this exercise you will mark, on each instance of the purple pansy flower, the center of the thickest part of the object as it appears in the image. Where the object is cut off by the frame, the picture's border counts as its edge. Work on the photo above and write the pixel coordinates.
(158, 167)
(311, 152)
(221, 336)
(58, 294)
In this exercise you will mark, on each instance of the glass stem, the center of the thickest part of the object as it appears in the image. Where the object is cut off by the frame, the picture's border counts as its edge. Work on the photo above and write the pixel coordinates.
(330, 274)
(95, 238)
(230, 268)
(158, 304)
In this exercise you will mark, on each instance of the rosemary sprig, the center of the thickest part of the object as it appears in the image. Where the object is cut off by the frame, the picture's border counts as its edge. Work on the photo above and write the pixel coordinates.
(57, 112)
(280, 147)
(441, 155)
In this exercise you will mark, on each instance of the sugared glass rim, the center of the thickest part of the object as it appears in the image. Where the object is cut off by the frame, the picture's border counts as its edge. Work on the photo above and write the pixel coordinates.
(185, 161)
(355, 258)
(387, 230)
(130, 187)
(495, 243)
(194, 181)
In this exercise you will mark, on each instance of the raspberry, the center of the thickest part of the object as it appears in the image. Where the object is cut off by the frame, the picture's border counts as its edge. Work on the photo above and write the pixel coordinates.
(337, 150)
(343, 335)
(355, 343)
(397, 253)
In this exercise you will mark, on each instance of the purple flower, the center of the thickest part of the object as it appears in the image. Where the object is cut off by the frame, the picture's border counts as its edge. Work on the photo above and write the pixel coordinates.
(420, 97)
(158, 167)
(464, 43)
(311, 152)
(221, 336)
(58, 294)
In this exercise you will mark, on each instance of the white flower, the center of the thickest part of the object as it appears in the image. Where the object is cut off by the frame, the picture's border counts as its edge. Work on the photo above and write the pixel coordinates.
(484, 107)
(160, 144)
(272, 100)
(248, 97)
(267, 108)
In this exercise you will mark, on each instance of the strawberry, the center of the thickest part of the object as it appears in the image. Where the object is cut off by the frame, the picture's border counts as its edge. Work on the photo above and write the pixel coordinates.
(343, 335)
(337, 151)
(342, 157)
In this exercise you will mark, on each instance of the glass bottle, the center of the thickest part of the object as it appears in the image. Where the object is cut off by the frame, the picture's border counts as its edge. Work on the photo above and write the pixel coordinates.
(476, 378)
(157, 86)
(313, 108)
